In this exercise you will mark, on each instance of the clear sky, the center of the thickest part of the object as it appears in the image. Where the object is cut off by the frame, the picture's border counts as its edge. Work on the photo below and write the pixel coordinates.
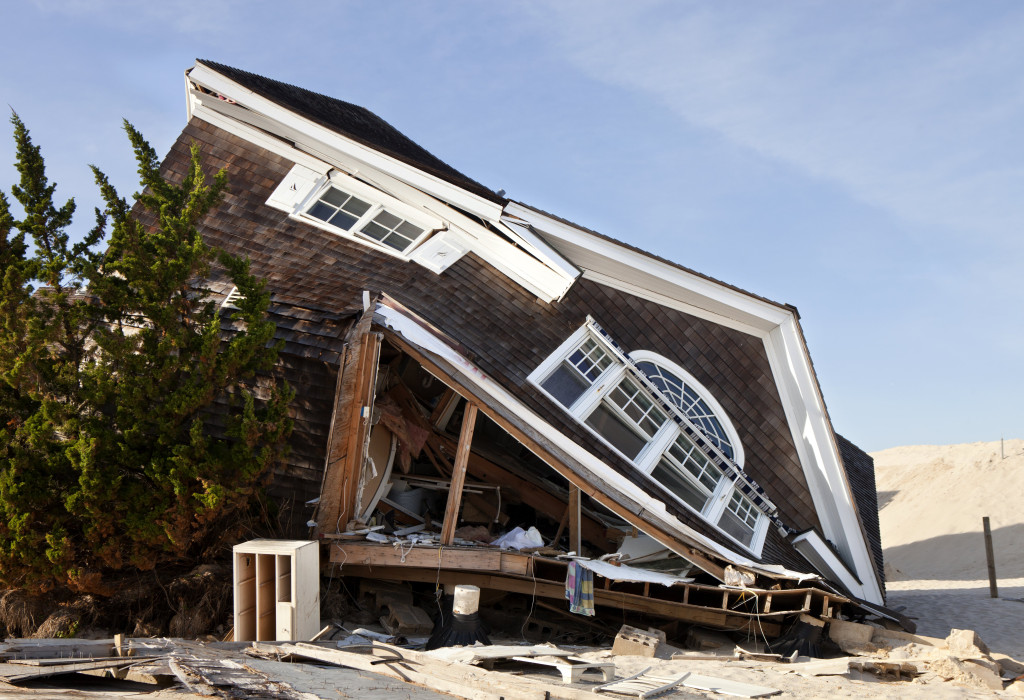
(861, 160)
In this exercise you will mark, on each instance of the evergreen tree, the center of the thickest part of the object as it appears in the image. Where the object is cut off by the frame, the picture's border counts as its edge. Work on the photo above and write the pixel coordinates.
(115, 366)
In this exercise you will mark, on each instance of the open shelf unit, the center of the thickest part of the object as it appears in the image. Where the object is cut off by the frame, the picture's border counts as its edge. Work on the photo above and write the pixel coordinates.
(277, 590)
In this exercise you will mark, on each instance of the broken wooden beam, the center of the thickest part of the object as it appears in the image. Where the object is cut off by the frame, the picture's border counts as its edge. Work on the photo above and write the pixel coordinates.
(451, 512)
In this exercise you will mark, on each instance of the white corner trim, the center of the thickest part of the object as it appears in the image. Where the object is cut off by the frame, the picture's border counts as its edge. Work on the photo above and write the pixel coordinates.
(812, 547)
(819, 454)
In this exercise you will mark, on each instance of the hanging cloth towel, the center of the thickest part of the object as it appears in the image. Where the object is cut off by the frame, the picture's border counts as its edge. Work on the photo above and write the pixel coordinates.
(579, 589)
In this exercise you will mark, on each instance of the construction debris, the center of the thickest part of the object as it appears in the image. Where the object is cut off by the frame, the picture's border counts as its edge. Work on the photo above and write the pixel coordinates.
(631, 641)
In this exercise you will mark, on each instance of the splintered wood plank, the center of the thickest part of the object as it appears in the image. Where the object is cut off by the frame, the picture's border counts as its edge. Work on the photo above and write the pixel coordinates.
(349, 427)
(451, 513)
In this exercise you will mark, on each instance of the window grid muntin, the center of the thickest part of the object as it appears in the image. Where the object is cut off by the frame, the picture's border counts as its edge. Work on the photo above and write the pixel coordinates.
(743, 509)
(633, 402)
(590, 360)
(391, 230)
(339, 208)
(693, 461)
(693, 406)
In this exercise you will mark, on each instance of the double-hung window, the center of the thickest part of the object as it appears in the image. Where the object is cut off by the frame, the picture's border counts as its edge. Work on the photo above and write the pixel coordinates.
(593, 383)
(356, 210)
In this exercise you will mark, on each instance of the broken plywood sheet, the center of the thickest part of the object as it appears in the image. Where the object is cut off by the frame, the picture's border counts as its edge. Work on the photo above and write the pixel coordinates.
(727, 686)
(494, 652)
(572, 668)
(621, 572)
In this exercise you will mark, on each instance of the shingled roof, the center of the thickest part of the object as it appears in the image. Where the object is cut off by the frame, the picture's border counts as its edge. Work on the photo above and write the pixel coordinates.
(353, 121)
(860, 470)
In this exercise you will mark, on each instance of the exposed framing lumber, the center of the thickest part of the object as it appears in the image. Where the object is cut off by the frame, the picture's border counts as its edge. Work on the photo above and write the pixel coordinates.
(695, 614)
(458, 558)
(443, 410)
(593, 530)
(350, 428)
(451, 511)
(550, 458)
(575, 539)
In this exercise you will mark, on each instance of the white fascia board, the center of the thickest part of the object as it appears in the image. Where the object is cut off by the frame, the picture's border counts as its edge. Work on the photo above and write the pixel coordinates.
(810, 545)
(200, 110)
(770, 314)
(521, 232)
(653, 509)
(542, 280)
(819, 453)
(751, 326)
(431, 184)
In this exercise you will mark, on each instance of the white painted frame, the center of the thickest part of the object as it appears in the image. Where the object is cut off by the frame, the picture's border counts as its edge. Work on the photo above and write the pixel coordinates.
(739, 455)
(656, 445)
(777, 326)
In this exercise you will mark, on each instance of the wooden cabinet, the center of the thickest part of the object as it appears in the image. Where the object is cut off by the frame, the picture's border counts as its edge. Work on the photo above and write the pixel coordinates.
(277, 590)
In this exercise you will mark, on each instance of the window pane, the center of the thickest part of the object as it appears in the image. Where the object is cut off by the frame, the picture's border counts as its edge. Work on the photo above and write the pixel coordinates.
(628, 396)
(335, 197)
(387, 219)
(356, 207)
(615, 430)
(395, 241)
(565, 384)
(408, 230)
(677, 483)
(321, 211)
(736, 527)
(343, 220)
(376, 231)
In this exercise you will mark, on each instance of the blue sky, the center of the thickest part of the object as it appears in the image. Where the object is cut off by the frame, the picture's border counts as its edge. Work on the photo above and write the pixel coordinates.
(863, 160)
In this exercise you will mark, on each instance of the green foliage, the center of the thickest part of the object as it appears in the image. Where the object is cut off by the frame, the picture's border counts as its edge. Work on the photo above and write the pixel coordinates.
(112, 364)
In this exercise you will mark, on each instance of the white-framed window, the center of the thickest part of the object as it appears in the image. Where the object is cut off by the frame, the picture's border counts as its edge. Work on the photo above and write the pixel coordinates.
(587, 378)
(696, 402)
(348, 207)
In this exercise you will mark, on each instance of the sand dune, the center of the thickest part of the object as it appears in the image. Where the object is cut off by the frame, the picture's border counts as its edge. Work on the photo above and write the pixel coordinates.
(932, 500)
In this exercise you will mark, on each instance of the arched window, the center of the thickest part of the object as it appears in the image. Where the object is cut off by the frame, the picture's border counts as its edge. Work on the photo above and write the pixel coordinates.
(595, 382)
(694, 400)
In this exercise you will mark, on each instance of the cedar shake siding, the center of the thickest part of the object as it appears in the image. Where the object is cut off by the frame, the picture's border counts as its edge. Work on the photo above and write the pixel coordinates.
(498, 325)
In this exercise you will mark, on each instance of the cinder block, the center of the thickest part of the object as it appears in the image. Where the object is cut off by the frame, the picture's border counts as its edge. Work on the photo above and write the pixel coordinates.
(631, 641)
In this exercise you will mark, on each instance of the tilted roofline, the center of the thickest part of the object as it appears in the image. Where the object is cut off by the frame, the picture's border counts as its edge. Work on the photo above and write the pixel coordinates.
(544, 254)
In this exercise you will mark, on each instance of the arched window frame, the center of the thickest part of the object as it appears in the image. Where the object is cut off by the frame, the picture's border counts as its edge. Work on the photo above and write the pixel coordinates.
(706, 396)
(726, 496)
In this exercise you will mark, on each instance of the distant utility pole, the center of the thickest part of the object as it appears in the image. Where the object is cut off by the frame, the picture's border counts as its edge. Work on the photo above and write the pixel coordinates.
(1002, 451)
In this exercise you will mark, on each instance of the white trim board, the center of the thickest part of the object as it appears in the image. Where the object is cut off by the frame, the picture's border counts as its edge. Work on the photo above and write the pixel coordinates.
(442, 189)
(627, 270)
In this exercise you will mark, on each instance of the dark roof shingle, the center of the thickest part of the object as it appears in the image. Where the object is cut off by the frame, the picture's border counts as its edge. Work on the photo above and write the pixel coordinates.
(353, 121)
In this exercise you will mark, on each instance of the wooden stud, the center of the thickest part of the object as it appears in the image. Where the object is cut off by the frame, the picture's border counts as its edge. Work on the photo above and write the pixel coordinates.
(575, 537)
(561, 527)
(767, 603)
(442, 411)
(451, 512)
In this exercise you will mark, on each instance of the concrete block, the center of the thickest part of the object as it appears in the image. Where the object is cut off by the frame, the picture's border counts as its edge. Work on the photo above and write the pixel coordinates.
(631, 641)
(850, 634)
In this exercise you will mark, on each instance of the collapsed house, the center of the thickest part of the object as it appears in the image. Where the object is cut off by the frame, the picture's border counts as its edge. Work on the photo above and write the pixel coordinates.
(465, 364)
